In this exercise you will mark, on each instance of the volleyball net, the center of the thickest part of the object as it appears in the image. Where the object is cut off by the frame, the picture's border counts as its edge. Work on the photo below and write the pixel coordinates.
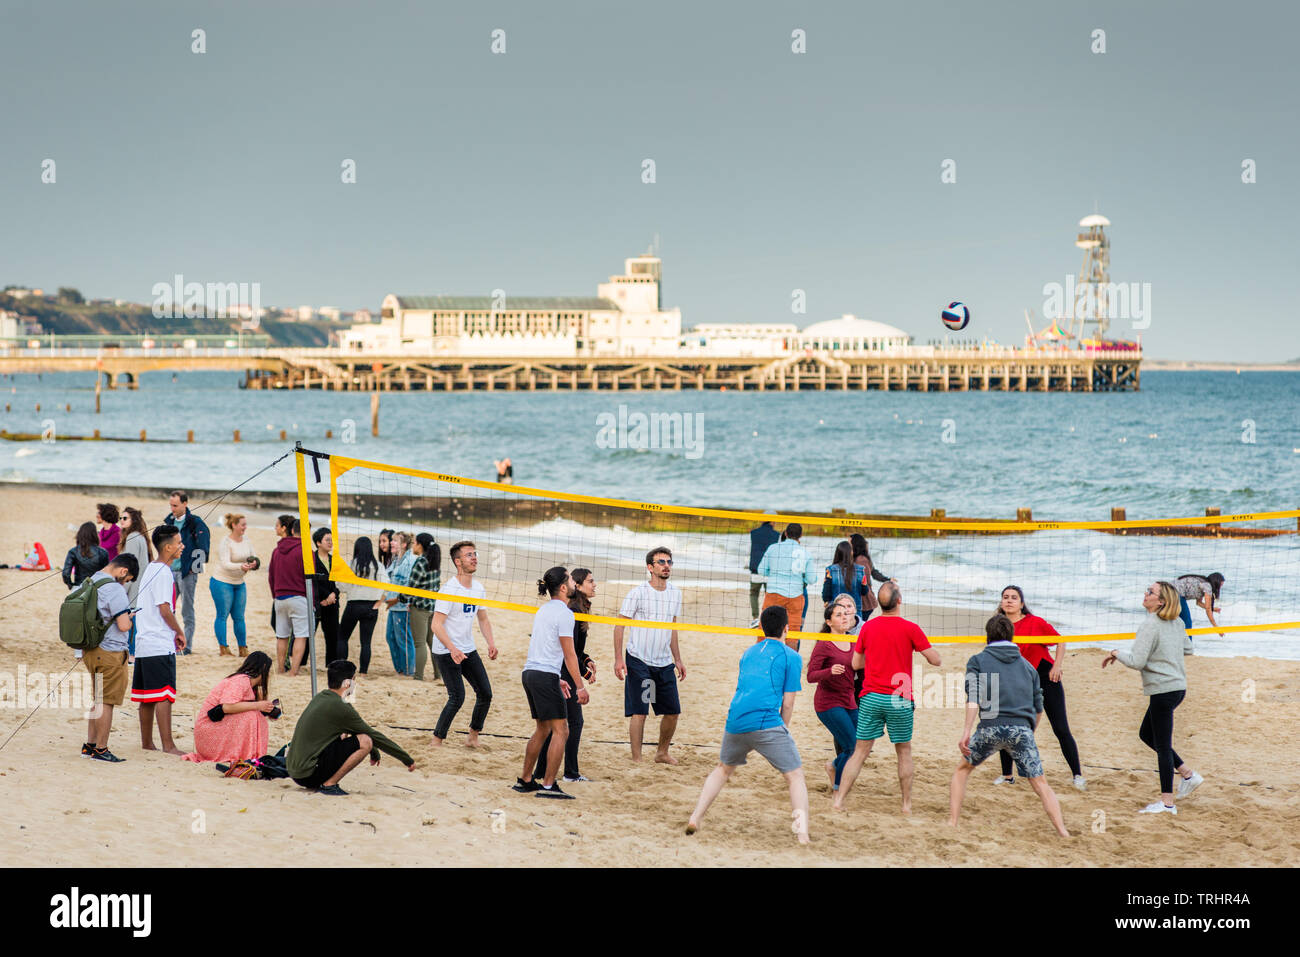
(1086, 578)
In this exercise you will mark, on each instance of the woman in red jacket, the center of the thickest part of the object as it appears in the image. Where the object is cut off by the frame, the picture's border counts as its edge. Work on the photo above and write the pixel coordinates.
(831, 669)
(1049, 676)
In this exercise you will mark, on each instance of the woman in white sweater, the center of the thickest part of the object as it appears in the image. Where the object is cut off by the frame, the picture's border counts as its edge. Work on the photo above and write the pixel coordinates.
(135, 541)
(363, 601)
(234, 560)
(1157, 652)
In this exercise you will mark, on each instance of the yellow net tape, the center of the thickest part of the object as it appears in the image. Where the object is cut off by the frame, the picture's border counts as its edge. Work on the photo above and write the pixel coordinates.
(341, 572)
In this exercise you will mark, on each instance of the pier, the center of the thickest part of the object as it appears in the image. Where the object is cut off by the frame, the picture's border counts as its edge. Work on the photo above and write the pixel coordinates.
(915, 369)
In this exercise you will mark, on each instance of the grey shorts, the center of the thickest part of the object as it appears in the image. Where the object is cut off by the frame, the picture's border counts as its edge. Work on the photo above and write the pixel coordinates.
(291, 617)
(775, 744)
(1016, 740)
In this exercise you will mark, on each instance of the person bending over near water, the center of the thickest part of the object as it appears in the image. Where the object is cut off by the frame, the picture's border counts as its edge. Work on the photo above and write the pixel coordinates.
(759, 720)
(1202, 589)
(458, 657)
(647, 671)
(551, 656)
(1157, 652)
(505, 471)
(884, 652)
(1049, 676)
(1006, 724)
(831, 668)
(331, 738)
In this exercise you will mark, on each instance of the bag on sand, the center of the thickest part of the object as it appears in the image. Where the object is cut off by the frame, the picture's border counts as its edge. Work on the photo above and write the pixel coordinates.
(79, 623)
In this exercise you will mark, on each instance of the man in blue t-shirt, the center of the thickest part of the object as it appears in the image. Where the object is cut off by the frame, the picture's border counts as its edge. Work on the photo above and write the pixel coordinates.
(759, 717)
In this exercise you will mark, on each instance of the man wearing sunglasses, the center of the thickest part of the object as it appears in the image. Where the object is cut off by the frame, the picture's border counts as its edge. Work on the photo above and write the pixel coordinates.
(647, 670)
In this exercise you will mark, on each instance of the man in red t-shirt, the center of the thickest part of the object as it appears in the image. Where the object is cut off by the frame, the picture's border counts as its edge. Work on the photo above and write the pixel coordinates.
(884, 652)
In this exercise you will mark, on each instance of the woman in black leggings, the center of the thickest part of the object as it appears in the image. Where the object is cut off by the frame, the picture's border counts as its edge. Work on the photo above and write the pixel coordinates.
(584, 584)
(1157, 652)
(1049, 677)
(364, 602)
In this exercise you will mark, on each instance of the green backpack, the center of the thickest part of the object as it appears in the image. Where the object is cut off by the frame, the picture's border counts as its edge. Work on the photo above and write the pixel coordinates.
(79, 623)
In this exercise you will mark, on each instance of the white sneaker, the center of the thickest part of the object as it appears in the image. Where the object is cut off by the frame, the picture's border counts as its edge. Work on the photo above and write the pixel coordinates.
(1187, 785)
(1081, 783)
(1001, 779)
(1158, 807)
(580, 777)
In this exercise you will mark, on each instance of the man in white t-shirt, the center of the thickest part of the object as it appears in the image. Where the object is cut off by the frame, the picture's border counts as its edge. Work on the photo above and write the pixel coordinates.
(158, 636)
(459, 661)
(652, 655)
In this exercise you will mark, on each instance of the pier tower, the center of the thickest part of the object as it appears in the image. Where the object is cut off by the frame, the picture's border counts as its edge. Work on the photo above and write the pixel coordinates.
(1092, 293)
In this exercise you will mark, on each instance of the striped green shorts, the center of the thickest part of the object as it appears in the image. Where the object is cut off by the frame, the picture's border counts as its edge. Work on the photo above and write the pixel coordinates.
(876, 712)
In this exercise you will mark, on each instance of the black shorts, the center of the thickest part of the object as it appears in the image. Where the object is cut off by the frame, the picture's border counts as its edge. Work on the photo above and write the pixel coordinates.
(647, 685)
(154, 679)
(545, 699)
(330, 760)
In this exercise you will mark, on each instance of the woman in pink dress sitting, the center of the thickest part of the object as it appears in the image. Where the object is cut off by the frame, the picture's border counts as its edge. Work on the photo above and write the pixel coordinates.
(232, 723)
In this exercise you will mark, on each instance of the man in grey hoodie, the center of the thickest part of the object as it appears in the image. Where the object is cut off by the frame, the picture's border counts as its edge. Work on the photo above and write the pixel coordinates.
(1002, 689)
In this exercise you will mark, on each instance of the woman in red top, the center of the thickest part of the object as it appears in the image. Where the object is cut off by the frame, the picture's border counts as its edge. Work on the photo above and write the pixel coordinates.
(1049, 676)
(831, 669)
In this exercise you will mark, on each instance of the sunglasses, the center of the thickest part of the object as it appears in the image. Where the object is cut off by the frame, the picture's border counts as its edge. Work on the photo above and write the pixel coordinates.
(663, 561)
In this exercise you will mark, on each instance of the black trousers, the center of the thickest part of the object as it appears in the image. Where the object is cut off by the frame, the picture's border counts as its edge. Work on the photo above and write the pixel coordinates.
(356, 613)
(575, 735)
(327, 618)
(454, 677)
(1157, 733)
(1054, 707)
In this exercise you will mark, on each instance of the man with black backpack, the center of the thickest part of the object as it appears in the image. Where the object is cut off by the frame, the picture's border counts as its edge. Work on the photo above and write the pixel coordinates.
(95, 620)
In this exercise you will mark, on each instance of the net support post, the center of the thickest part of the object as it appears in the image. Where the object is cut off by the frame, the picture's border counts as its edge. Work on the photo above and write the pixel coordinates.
(311, 634)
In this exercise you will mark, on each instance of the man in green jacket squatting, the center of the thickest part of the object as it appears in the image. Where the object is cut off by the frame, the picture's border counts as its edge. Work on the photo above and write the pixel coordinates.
(331, 738)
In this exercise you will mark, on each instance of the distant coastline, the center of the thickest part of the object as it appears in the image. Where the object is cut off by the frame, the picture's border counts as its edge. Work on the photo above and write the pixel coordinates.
(1194, 365)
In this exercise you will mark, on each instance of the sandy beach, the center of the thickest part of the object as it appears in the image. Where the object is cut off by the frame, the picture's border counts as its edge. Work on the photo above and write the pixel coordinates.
(456, 807)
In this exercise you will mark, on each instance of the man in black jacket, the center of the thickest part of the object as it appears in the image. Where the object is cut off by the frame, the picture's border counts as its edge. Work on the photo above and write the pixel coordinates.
(760, 540)
(196, 542)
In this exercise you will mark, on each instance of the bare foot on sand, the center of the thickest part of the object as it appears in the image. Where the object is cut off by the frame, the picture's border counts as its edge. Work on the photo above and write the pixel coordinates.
(830, 772)
(691, 826)
(472, 740)
(173, 750)
(663, 757)
(435, 742)
(837, 806)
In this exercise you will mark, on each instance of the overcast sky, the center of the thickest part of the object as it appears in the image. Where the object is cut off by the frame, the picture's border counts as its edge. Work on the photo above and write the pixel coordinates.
(775, 171)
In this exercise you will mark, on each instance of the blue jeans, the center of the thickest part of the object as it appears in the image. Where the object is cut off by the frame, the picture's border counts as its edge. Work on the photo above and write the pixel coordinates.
(401, 646)
(130, 639)
(842, 723)
(1185, 613)
(230, 600)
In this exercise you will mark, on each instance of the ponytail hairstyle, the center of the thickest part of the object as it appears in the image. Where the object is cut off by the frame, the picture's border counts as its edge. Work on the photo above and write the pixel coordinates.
(860, 550)
(844, 558)
(551, 582)
(578, 601)
(136, 518)
(231, 519)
